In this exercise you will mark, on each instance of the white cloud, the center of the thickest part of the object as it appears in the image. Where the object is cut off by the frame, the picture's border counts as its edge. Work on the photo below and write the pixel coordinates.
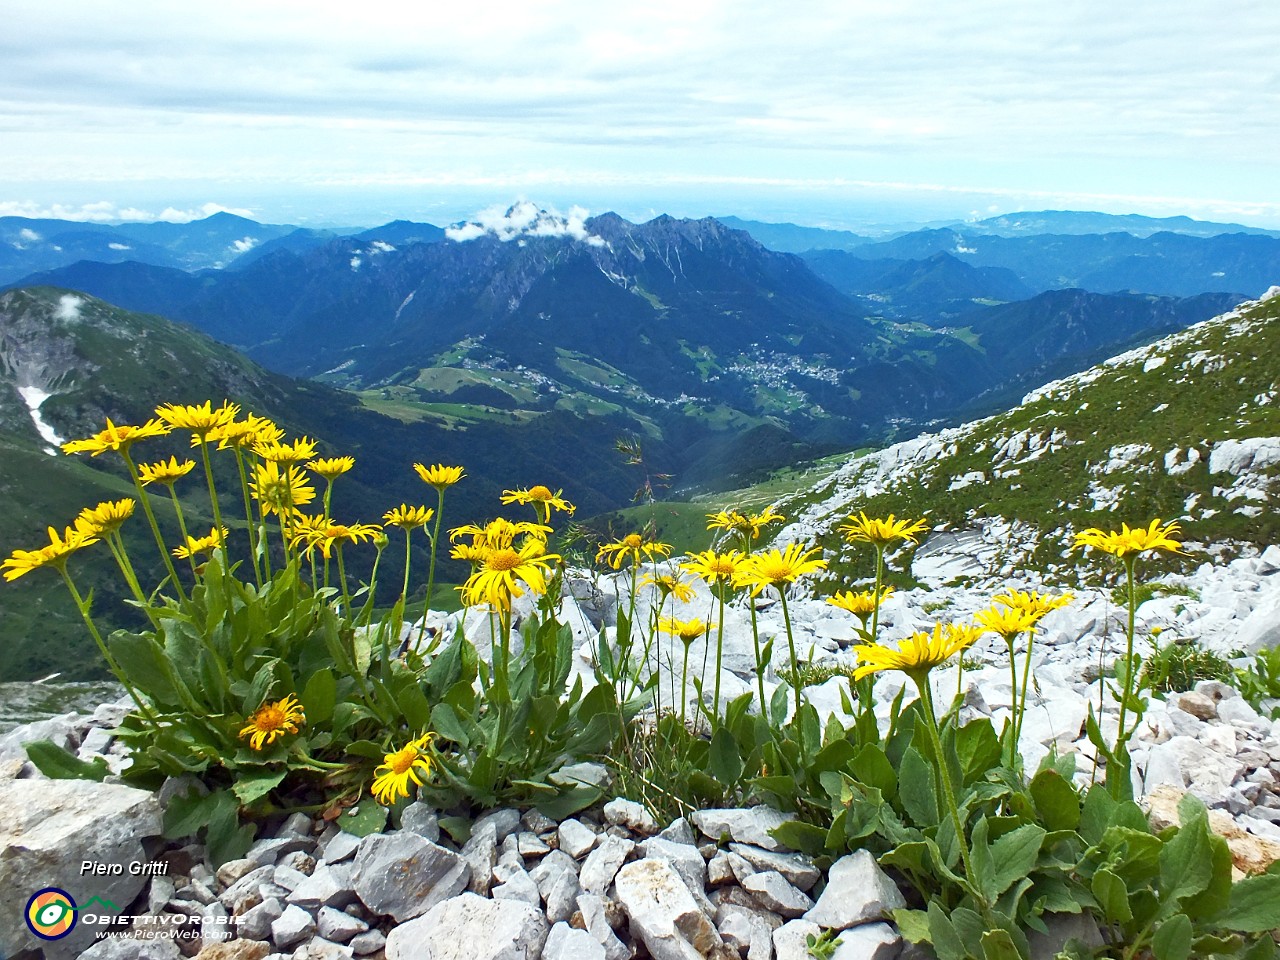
(355, 264)
(68, 308)
(380, 246)
(29, 236)
(525, 219)
(119, 246)
(244, 245)
(105, 211)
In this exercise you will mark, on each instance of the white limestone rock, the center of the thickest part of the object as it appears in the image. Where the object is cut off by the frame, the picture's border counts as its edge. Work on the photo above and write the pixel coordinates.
(663, 914)
(469, 927)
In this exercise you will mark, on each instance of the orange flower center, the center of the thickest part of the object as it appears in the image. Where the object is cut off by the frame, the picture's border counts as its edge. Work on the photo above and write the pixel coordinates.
(540, 493)
(721, 567)
(633, 541)
(401, 761)
(506, 559)
(269, 718)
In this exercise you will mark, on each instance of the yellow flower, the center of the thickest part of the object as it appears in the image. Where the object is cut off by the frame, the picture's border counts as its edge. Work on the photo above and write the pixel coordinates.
(473, 553)
(500, 532)
(331, 468)
(881, 533)
(543, 501)
(408, 518)
(439, 476)
(919, 653)
(498, 577)
(301, 449)
(632, 545)
(1032, 602)
(669, 584)
(246, 434)
(777, 567)
(714, 567)
(201, 420)
(271, 721)
(1008, 622)
(280, 491)
(335, 533)
(748, 525)
(106, 517)
(687, 630)
(198, 545)
(861, 604)
(118, 438)
(1133, 542)
(165, 473)
(402, 766)
(54, 555)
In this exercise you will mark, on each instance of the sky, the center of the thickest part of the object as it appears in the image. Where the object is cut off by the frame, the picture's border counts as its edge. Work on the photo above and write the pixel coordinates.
(838, 114)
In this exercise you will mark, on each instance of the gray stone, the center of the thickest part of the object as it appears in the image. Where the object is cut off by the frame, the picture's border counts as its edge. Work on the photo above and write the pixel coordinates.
(773, 892)
(868, 941)
(632, 815)
(603, 863)
(550, 866)
(48, 828)
(561, 895)
(233, 870)
(255, 923)
(789, 939)
(292, 927)
(687, 861)
(131, 948)
(798, 869)
(288, 877)
(530, 845)
(338, 926)
(331, 885)
(566, 943)
(317, 948)
(744, 824)
(535, 821)
(343, 846)
(422, 819)
(368, 942)
(1063, 927)
(271, 849)
(664, 914)
(481, 854)
(857, 891)
(404, 875)
(159, 893)
(679, 832)
(746, 929)
(576, 839)
(720, 870)
(585, 774)
(505, 822)
(595, 917)
(245, 893)
(519, 887)
(469, 927)
(61, 730)
(1197, 704)
(298, 826)
(215, 924)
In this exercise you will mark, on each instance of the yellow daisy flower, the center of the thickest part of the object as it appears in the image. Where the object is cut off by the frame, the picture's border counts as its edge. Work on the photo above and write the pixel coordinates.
(747, 525)
(500, 532)
(280, 491)
(777, 567)
(687, 630)
(201, 420)
(473, 553)
(22, 562)
(1008, 622)
(271, 721)
(498, 577)
(712, 567)
(669, 584)
(918, 653)
(165, 473)
(881, 532)
(439, 476)
(1032, 602)
(543, 501)
(408, 518)
(632, 545)
(335, 533)
(117, 438)
(106, 517)
(862, 603)
(1132, 542)
(332, 467)
(198, 545)
(304, 448)
(401, 767)
(246, 434)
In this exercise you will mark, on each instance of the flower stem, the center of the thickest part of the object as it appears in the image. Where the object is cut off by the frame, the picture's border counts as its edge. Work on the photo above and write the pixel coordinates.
(248, 517)
(791, 646)
(1127, 692)
(213, 491)
(182, 526)
(155, 527)
(431, 571)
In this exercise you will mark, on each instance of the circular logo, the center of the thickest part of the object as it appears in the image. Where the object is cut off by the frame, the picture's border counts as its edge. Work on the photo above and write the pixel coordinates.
(51, 913)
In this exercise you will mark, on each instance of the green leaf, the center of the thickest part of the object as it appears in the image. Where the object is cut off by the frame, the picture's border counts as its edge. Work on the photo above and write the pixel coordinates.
(319, 697)
(726, 764)
(144, 662)
(1056, 801)
(1112, 895)
(1186, 862)
(1254, 905)
(414, 707)
(912, 924)
(568, 802)
(978, 748)
(445, 721)
(918, 790)
(873, 768)
(59, 764)
(1095, 814)
(801, 836)
(1172, 940)
(1014, 855)
(998, 945)
(227, 838)
(364, 819)
(253, 784)
(942, 934)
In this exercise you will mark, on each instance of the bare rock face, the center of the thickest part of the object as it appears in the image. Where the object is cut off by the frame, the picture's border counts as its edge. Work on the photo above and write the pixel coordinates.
(50, 828)
(664, 914)
(470, 927)
(404, 875)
